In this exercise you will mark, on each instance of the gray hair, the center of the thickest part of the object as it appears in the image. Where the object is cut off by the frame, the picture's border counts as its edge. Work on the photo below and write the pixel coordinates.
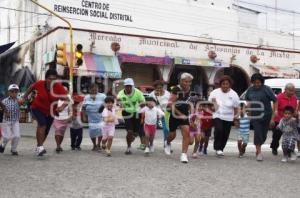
(186, 75)
(289, 85)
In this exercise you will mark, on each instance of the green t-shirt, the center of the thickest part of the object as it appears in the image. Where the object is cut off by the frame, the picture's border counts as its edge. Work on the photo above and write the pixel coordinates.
(131, 103)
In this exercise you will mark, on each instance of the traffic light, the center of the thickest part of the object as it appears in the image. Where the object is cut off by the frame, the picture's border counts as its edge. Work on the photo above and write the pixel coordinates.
(61, 54)
(78, 55)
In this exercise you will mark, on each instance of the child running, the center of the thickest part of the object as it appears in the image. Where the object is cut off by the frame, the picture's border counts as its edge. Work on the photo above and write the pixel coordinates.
(60, 124)
(150, 114)
(244, 129)
(10, 125)
(109, 123)
(290, 136)
(195, 130)
(206, 126)
(76, 128)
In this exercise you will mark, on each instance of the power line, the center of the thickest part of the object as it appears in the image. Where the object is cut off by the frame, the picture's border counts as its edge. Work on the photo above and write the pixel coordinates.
(26, 11)
(270, 7)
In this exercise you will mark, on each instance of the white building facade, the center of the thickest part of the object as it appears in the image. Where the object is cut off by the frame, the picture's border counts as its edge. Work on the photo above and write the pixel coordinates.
(158, 39)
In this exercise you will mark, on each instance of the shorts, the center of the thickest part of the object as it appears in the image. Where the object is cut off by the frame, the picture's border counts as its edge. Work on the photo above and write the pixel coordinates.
(174, 123)
(206, 132)
(95, 132)
(42, 120)
(150, 129)
(195, 133)
(243, 137)
(60, 126)
(133, 123)
(108, 131)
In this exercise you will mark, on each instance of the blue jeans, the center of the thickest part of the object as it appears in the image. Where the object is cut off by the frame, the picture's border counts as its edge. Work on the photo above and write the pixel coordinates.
(165, 128)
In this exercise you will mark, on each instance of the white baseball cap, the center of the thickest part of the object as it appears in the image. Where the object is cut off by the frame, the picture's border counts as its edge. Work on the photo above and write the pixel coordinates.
(12, 87)
(128, 81)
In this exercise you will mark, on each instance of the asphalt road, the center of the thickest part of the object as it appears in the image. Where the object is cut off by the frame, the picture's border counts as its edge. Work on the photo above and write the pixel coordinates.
(91, 174)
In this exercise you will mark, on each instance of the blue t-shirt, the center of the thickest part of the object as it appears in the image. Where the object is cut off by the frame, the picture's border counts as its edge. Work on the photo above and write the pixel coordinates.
(92, 107)
(265, 96)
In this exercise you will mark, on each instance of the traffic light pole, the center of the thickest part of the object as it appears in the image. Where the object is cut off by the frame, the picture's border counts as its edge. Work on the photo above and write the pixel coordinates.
(71, 43)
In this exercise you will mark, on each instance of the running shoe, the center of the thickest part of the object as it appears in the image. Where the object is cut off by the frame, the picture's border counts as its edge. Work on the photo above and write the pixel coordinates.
(40, 151)
(152, 149)
(168, 149)
(284, 159)
(128, 151)
(259, 157)
(184, 158)
(108, 153)
(15, 153)
(293, 156)
(147, 150)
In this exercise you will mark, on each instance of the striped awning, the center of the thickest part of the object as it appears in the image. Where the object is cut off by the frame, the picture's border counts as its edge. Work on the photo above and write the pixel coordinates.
(95, 64)
(277, 72)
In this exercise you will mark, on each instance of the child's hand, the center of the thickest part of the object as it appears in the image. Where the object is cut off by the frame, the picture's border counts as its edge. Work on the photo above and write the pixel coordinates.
(236, 123)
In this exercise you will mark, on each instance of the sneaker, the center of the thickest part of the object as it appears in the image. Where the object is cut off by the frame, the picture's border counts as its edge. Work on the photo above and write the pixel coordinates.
(142, 147)
(274, 152)
(40, 151)
(2, 149)
(168, 149)
(147, 150)
(241, 155)
(58, 150)
(152, 149)
(205, 151)
(73, 148)
(184, 158)
(259, 157)
(103, 147)
(219, 153)
(298, 154)
(194, 156)
(293, 156)
(108, 153)
(284, 159)
(78, 148)
(200, 149)
(14, 153)
(128, 151)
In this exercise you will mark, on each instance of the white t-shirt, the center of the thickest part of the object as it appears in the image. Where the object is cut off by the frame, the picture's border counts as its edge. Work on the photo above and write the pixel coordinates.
(162, 100)
(151, 115)
(64, 114)
(226, 102)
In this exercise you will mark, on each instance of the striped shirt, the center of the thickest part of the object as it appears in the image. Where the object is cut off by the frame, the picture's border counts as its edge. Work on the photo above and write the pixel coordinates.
(13, 108)
(244, 125)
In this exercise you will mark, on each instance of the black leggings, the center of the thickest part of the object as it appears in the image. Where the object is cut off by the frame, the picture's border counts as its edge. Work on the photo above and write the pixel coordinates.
(221, 133)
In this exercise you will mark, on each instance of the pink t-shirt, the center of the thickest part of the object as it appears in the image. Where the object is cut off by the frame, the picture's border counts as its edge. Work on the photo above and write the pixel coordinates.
(284, 101)
(109, 113)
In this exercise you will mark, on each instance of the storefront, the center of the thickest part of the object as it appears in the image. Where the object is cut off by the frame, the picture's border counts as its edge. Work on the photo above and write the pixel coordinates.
(148, 59)
(241, 80)
(143, 69)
